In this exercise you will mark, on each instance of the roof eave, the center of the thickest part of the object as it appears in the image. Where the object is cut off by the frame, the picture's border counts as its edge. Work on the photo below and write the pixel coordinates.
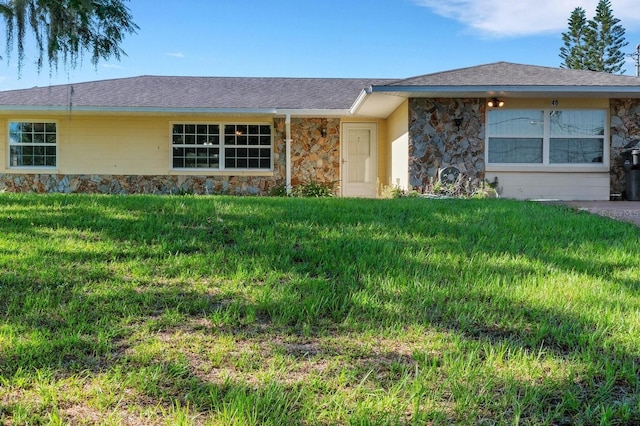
(355, 107)
(159, 110)
(311, 112)
(298, 112)
(506, 90)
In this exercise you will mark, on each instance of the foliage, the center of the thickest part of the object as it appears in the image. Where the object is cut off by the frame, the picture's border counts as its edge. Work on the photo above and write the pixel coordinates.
(309, 189)
(315, 189)
(463, 187)
(317, 311)
(64, 30)
(606, 38)
(398, 191)
(573, 51)
(595, 44)
(278, 191)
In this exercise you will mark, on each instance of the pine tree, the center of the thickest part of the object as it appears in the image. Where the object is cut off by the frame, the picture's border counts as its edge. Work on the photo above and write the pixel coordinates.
(595, 44)
(572, 52)
(605, 38)
(65, 30)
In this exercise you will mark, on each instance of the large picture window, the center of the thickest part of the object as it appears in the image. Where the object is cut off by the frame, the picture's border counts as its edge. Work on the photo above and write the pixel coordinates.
(222, 146)
(546, 137)
(247, 147)
(32, 144)
(196, 146)
(576, 136)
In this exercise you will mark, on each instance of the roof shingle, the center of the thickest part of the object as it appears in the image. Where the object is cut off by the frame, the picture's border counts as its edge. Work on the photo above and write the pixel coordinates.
(196, 93)
(255, 93)
(510, 74)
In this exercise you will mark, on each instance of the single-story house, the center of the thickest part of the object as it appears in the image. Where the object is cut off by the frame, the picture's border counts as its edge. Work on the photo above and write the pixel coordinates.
(540, 132)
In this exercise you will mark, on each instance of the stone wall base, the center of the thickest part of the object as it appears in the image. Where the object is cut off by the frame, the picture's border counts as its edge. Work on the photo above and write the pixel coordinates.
(112, 184)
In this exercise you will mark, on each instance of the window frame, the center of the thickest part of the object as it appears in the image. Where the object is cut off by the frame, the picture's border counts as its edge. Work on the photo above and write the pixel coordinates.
(223, 146)
(44, 144)
(547, 137)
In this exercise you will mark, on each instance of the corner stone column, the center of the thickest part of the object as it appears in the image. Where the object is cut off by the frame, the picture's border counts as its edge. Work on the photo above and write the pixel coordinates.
(442, 133)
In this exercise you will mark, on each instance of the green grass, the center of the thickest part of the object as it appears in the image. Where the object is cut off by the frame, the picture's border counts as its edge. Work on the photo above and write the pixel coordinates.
(270, 311)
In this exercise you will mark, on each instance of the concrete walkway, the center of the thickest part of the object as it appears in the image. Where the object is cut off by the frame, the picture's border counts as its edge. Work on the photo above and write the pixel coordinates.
(628, 211)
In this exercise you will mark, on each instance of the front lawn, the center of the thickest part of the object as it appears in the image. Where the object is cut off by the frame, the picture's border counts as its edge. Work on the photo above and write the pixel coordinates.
(272, 311)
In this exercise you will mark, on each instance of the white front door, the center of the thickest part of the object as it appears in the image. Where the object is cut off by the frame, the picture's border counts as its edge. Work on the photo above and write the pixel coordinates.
(359, 159)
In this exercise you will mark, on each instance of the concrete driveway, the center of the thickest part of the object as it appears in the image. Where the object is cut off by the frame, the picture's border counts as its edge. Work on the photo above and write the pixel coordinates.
(627, 211)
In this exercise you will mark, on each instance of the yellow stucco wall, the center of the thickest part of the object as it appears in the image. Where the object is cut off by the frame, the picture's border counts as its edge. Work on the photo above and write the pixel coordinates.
(119, 144)
(114, 144)
(398, 147)
(551, 185)
(542, 103)
(108, 145)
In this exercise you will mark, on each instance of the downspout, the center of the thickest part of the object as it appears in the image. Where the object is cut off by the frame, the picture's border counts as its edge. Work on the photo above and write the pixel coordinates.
(288, 153)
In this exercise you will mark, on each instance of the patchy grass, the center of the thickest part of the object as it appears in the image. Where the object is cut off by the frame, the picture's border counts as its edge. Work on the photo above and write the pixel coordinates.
(269, 311)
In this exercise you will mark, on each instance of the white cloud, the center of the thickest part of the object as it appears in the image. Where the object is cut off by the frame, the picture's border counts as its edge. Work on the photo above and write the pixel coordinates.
(112, 66)
(175, 55)
(505, 18)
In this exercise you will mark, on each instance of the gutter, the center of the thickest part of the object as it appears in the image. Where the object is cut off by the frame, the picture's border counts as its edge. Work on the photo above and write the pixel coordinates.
(158, 110)
(150, 110)
(313, 112)
(488, 89)
(360, 100)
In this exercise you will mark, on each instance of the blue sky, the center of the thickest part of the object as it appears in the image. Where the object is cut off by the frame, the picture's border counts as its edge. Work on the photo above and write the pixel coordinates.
(331, 38)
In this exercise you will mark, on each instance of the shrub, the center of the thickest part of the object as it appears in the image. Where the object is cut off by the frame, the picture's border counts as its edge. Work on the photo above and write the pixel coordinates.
(315, 189)
(463, 187)
(309, 190)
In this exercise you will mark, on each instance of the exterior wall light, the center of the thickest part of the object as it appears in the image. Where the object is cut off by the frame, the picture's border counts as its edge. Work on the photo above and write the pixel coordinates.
(495, 103)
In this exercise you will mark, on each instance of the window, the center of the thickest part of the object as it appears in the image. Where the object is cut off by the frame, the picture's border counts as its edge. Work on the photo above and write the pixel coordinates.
(247, 147)
(576, 136)
(32, 144)
(516, 136)
(196, 146)
(546, 137)
(222, 146)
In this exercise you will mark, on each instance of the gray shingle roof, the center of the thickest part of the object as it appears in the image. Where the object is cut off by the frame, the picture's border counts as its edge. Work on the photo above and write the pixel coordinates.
(254, 93)
(510, 74)
(175, 93)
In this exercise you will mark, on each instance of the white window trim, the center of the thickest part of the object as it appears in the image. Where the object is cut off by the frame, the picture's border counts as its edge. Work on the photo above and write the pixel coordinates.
(546, 166)
(222, 170)
(9, 144)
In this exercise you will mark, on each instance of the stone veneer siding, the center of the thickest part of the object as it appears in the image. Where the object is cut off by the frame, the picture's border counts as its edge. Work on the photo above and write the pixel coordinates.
(314, 157)
(315, 151)
(625, 128)
(116, 184)
(436, 141)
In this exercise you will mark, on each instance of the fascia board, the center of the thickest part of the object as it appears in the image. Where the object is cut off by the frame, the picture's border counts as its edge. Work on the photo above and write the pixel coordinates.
(67, 109)
(506, 89)
(164, 111)
(359, 101)
(313, 112)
